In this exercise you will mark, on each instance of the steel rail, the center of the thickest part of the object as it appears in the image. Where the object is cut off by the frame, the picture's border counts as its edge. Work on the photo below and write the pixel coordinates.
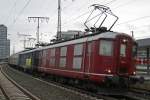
(69, 88)
(26, 92)
(129, 95)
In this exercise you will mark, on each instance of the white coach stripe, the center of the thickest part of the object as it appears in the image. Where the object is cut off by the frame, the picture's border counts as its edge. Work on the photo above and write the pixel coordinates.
(78, 72)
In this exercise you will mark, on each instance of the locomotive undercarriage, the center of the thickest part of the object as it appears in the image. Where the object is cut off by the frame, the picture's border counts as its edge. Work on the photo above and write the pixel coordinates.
(117, 81)
(87, 85)
(122, 81)
(108, 86)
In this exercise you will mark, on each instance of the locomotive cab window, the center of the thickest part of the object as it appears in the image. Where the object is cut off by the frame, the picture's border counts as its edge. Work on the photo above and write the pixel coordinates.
(106, 48)
(123, 50)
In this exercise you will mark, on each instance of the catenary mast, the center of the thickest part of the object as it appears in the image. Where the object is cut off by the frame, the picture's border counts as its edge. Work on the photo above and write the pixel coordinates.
(59, 21)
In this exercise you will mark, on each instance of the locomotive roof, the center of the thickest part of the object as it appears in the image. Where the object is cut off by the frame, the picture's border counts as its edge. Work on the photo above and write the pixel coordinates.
(109, 35)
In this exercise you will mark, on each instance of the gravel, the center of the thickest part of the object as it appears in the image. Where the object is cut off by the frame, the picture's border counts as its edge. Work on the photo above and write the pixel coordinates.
(145, 85)
(42, 90)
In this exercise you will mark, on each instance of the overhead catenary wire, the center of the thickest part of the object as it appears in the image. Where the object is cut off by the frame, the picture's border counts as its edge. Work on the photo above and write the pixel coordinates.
(10, 12)
(133, 20)
(67, 5)
(110, 2)
(141, 27)
(76, 18)
(125, 4)
(21, 11)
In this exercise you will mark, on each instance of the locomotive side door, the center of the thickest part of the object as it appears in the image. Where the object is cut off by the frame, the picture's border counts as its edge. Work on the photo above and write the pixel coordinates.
(88, 57)
(124, 56)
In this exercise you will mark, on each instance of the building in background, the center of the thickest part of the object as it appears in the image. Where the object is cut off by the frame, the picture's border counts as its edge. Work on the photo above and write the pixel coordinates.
(143, 55)
(4, 43)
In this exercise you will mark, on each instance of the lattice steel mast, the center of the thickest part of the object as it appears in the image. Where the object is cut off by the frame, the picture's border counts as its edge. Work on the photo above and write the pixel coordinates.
(38, 24)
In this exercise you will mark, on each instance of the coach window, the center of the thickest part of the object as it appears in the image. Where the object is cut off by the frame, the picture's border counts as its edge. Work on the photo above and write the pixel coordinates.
(40, 57)
(106, 48)
(52, 56)
(44, 56)
(123, 50)
(52, 52)
(78, 49)
(77, 60)
(63, 53)
(89, 47)
(44, 53)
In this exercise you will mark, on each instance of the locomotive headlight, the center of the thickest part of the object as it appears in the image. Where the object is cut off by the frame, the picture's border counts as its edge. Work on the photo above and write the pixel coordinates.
(124, 40)
(134, 73)
(109, 71)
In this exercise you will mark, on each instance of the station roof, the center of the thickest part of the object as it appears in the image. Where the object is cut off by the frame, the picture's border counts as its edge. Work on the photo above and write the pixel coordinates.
(143, 42)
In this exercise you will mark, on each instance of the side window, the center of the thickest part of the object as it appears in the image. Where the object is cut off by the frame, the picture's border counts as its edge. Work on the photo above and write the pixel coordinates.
(40, 57)
(106, 48)
(77, 60)
(52, 61)
(78, 48)
(47, 55)
(44, 53)
(52, 52)
(62, 62)
(122, 50)
(89, 47)
(63, 54)
(52, 56)
(44, 57)
(63, 51)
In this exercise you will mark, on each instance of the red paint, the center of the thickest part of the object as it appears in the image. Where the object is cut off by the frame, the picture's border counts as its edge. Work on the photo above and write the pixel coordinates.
(93, 62)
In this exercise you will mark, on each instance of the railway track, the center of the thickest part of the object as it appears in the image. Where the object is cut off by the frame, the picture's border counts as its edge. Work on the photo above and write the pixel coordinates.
(128, 95)
(2, 96)
(76, 95)
(140, 94)
(13, 91)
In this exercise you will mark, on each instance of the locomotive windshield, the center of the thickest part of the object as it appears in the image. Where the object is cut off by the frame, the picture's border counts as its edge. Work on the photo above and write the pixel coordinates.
(123, 50)
(106, 48)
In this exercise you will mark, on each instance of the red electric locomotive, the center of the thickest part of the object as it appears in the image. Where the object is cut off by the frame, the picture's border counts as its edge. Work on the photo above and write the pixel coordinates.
(98, 57)
(101, 57)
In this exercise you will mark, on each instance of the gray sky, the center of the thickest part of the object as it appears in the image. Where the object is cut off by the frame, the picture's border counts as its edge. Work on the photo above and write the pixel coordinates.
(133, 15)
